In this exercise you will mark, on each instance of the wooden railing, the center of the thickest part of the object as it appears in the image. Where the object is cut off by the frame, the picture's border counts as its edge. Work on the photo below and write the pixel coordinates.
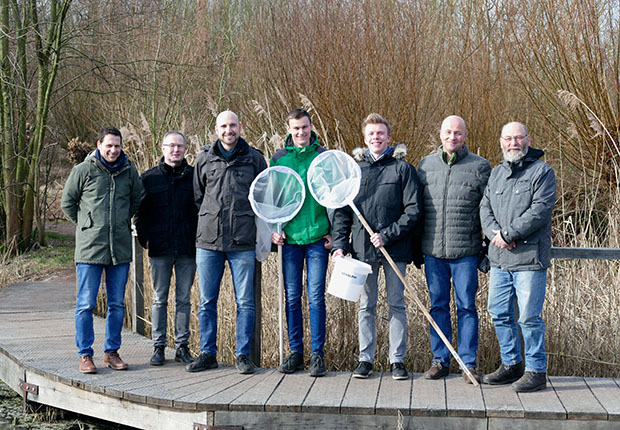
(138, 320)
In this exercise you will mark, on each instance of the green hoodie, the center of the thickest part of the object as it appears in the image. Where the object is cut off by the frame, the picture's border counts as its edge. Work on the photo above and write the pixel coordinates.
(311, 223)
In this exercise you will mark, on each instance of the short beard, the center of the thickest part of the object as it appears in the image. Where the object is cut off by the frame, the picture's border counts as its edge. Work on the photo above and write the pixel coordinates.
(514, 157)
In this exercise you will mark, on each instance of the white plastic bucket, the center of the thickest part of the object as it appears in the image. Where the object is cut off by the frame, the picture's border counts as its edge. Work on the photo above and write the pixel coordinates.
(348, 278)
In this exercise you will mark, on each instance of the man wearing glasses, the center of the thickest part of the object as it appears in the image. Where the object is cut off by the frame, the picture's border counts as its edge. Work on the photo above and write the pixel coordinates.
(516, 215)
(166, 225)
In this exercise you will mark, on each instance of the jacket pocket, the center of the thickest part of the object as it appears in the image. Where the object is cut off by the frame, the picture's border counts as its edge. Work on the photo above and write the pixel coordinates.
(88, 222)
(208, 227)
(244, 229)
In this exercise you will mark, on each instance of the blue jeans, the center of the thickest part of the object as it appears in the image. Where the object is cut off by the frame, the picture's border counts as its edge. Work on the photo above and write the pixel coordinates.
(89, 278)
(184, 273)
(528, 287)
(316, 257)
(210, 265)
(464, 275)
(367, 314)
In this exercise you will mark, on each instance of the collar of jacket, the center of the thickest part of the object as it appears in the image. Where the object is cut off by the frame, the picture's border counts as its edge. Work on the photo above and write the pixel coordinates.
(95, 162)
(399, 152)
(459, 155)
(290, 146)
(532, 155)
(214, 151)
(175, 171)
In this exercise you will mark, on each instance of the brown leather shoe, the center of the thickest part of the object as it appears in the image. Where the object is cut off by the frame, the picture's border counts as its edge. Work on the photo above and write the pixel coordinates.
(113, 360)
(474, 373)
(87, 365)
(437, 371)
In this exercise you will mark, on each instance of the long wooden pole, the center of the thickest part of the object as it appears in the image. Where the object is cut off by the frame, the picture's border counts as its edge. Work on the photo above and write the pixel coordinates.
(416, 299)
(281, 298)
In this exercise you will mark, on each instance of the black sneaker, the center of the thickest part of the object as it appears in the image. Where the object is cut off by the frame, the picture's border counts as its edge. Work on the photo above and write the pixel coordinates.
(294, 361)
(398, 371)
(504, 374)
(182, 355)
(530, 381)
(158, 357)
(317, 365)
(363, 370)
(203, 362)
(244, 365)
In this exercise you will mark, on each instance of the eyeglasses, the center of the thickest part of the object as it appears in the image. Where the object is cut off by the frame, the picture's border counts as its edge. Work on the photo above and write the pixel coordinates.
(173, 146)
(515, 138)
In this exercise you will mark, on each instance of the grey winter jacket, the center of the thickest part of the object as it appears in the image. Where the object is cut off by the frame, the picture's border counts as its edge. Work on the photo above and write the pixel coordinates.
(102, 204)
(221, 188)
(452, 195)
(519, 202)
(390, 200)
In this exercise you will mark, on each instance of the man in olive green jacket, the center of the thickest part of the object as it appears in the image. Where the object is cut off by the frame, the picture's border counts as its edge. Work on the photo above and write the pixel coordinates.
(100, 196)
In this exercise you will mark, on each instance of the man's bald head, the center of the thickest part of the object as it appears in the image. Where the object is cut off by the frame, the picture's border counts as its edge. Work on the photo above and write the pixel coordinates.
(228, 129)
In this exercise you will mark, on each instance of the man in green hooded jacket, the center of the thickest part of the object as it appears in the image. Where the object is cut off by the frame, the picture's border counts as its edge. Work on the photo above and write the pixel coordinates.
(305, 237)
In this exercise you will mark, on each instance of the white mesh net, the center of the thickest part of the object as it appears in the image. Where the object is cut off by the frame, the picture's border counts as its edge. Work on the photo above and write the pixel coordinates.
(334, 179)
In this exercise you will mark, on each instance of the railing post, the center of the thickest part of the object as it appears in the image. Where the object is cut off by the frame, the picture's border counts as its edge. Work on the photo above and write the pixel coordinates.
(137, 284)
(255, 342)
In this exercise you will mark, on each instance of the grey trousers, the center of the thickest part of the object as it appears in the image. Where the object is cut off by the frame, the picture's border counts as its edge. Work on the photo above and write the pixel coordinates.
(184, 271)
(367, 314)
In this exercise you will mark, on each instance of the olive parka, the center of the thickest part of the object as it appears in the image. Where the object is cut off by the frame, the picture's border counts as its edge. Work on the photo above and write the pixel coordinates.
(102, 203)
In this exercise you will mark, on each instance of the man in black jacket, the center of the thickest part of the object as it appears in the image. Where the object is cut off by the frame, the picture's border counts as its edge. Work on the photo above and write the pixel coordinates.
(166, 225)
(391, 202)
(226, 232)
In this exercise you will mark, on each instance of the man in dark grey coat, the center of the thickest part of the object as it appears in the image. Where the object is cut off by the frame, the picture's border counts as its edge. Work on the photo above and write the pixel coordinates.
(226, 232)
(166, 225)
(516, 215)
(454, 180)
(390, 200)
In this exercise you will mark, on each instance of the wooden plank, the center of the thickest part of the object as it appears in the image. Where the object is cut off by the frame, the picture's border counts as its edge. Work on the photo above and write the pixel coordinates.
(255, 398)
(577, 399)
(462, 399)
(394, 396)
(223, 398)
(585, 253)
(206, 397)
(11, 372)
(537, 424)
(311, 421)
(361, 395)
(111, 409)
(137, 284)
(291, 393)
(428, 397)
(327, 393)
(543, 404)
(607, 392)
(502, 401)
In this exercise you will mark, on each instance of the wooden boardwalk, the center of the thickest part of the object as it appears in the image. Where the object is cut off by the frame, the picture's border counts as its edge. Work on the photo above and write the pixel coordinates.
(37, 347)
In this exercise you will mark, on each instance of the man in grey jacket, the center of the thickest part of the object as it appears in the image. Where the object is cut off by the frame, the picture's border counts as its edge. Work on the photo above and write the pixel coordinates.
(454, 180)
(226, 232)
(101, 195)
(516, 215)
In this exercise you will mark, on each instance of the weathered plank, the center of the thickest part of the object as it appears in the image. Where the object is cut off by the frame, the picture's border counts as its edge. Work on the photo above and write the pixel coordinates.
(502, 401)
(255, 398)
(577, 399)
(428, 398)
(586, 253)
(462, 399)
(543, 404)
(290, 394)
(607, 392)
(222, 399)
(120, 411)
(361, 395)
(327, 393)
(394, 396)
(537, 424)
